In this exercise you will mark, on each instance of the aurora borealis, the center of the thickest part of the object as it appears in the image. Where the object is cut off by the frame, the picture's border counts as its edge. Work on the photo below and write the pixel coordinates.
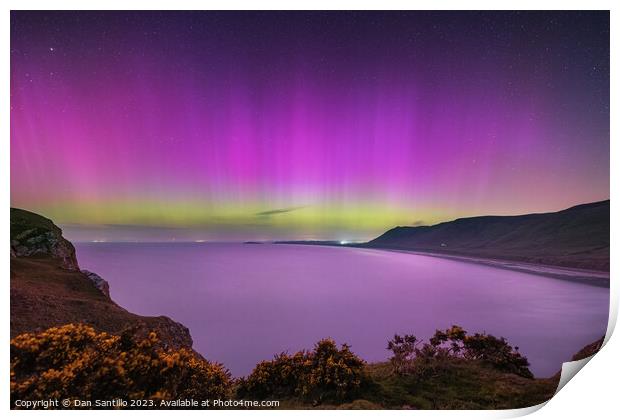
(303, 125)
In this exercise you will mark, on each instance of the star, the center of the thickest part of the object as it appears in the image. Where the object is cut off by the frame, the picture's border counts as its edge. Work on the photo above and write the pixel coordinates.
(52, 49)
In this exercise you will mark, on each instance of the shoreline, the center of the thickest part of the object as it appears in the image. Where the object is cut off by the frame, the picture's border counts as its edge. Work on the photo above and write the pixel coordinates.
(576, 275)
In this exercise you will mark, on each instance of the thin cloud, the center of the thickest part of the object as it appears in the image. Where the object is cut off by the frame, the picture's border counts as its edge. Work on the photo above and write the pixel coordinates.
(268, 213)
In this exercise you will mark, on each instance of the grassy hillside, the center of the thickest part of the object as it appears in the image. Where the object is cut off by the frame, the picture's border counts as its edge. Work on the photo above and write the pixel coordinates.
(460, 385)
(577, 237)
(22, 220)
(44, 295)
(457, 384)
(48, 289)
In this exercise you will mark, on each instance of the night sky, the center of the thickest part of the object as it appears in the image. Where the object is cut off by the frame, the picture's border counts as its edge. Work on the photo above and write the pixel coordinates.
(303, 125)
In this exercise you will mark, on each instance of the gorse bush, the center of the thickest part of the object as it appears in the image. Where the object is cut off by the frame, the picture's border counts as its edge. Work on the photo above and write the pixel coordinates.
(404, 351)
(326, 373)
(412, 356)
(332, 371)
(281, 376)
(75, 361)
(497, 352)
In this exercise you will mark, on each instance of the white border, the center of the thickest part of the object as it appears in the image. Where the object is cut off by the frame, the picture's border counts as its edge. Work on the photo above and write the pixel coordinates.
(592, 394)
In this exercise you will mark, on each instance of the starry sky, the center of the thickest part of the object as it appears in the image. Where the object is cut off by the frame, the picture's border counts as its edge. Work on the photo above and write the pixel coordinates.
(303, 125)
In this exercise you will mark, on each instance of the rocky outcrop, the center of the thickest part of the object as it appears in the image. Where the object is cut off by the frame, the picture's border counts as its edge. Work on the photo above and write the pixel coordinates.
(48, 289)
(99, 283)
(33, 235)
(589, 350)
(173, 334)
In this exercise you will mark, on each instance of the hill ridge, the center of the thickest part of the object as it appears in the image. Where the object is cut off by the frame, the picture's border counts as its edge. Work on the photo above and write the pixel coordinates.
(576, 237)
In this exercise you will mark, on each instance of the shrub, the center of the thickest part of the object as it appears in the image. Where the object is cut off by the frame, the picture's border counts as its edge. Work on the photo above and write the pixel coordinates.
(324, 374)
(75, 361)
(497, 352)
(333, 372)
(404, 352)
(411, 356)
(282, 376)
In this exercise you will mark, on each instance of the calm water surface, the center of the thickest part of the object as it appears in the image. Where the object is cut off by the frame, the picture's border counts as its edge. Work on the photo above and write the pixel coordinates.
(243, 302)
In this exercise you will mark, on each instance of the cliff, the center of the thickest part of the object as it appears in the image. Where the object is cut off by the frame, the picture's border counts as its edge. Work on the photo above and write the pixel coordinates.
(577, 237)
(33, 235)
(48, 289)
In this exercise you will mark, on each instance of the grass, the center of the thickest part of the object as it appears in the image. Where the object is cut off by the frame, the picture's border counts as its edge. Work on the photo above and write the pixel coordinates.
(458, 385)
(23, 220)
(44, 295)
